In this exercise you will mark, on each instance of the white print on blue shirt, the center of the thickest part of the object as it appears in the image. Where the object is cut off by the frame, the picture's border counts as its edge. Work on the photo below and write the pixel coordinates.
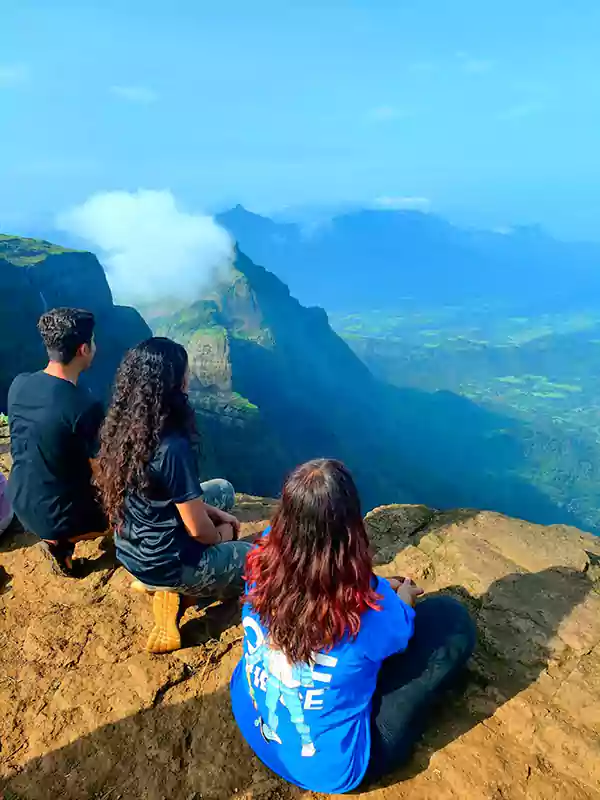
(269, 670)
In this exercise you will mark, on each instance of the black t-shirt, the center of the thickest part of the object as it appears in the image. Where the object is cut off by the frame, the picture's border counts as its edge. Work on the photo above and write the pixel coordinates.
(54, 432)
(153, 543)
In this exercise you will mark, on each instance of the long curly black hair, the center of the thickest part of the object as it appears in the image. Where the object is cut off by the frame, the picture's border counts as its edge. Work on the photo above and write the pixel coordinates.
(149, 400)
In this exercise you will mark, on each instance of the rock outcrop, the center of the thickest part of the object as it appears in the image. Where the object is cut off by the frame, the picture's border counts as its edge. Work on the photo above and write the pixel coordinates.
(86, 713)
(35, 276)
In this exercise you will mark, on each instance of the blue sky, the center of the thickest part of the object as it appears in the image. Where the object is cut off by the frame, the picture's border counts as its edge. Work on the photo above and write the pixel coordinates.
(487, 112)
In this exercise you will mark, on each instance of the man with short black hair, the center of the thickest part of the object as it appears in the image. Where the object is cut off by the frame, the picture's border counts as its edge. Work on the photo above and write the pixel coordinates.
(54, 425)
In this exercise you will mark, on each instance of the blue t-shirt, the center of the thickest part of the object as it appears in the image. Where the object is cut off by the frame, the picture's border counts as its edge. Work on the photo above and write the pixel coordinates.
(311, 723)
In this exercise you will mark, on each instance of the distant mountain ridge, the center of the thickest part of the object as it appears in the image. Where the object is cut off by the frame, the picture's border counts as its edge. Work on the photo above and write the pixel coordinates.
(372, 258)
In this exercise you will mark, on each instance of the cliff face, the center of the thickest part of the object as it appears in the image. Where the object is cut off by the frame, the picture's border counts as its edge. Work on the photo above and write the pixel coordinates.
(275, 376)
(86, 713)
(36, 276)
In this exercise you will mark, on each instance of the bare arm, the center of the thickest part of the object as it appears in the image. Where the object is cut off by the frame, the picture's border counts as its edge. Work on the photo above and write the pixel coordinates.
(220, 517)
(196, 518)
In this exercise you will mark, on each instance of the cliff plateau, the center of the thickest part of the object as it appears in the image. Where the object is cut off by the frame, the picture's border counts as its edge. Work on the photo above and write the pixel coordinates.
(88, 715)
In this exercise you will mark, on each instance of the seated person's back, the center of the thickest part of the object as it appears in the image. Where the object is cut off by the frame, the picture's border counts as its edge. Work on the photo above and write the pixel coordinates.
(54, 425)
(172, 533)
(167, 536)
(339, 666)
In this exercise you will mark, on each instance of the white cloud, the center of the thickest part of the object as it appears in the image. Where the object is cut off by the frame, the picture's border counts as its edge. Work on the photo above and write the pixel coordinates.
(135, 94)
(522, 110)
(13, 75)
(403, 203)
(152, 250)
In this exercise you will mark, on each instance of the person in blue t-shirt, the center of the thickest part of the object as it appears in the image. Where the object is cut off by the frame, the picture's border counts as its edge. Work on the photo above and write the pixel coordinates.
(339, 666)
(174, 534)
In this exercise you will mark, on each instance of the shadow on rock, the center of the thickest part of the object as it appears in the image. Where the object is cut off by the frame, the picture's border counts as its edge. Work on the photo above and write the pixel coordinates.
(189, 747)
(15, 537)
(189, 750)
(105, 563)
(211, 623)
(518, 619)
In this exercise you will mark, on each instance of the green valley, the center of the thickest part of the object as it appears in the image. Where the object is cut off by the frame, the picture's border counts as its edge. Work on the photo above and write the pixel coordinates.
(540, 371)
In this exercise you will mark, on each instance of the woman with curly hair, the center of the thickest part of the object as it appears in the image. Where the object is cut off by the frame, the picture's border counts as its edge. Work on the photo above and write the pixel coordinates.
(339, 666)
(171, 532)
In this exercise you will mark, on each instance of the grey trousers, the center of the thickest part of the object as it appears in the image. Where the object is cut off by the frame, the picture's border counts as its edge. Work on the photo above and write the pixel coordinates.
(219, 573)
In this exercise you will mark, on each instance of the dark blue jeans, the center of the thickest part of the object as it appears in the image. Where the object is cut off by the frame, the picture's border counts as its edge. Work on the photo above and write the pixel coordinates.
(410, 682)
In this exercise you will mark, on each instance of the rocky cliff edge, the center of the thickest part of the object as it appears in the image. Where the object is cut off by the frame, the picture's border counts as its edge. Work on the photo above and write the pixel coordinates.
(86, 714)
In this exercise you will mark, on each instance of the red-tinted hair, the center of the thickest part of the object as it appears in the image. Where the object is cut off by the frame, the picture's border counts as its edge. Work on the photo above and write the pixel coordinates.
(311, 576)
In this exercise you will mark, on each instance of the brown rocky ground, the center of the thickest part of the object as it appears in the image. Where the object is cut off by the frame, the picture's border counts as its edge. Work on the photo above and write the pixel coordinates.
(86, 714)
